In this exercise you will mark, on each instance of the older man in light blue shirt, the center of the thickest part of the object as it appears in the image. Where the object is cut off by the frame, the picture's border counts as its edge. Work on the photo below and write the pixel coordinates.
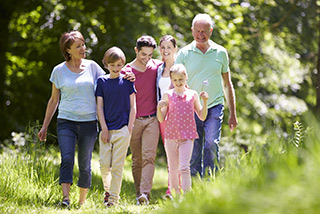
(207, 65)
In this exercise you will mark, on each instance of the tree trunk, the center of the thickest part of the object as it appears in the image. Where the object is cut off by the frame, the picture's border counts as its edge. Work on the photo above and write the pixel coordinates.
(4, 36)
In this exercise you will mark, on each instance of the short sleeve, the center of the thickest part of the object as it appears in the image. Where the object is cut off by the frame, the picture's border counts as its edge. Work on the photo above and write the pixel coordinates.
(225, 60)
(54, 78)
(99, 91)
(132, 89)
(98, 69)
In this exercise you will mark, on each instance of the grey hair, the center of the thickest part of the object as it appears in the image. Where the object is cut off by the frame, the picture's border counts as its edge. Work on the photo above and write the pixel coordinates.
(203, 16)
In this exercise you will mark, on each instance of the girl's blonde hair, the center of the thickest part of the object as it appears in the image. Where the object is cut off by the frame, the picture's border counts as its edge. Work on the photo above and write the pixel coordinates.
(178, 69)
(112, 55)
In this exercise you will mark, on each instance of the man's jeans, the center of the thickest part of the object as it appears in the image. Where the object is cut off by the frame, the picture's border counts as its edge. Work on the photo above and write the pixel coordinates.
(205, 155)
(69, 132)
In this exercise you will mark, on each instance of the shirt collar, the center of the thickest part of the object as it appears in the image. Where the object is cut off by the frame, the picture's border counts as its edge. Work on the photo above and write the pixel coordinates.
(213, 46)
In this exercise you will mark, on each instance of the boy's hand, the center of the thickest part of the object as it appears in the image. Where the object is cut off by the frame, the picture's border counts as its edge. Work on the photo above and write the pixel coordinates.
(130, 129)
(105, 136)
(204, 95)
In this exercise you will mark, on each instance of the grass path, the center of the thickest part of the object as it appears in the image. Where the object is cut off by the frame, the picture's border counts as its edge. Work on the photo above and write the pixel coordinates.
(30, 185)
(277, 176)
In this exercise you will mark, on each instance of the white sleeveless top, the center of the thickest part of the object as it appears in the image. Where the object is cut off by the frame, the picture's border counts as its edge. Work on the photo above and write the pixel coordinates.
(164, 84)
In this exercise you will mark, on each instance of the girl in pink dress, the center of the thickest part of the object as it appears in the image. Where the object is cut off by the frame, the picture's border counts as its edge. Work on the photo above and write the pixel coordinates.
(177, 108)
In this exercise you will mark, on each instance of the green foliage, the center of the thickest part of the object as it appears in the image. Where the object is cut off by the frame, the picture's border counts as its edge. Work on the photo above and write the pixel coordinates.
(274, 176)
(272, 47)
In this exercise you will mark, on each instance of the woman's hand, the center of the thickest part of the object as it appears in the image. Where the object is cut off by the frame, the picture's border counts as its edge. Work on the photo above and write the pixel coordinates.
(42, 134)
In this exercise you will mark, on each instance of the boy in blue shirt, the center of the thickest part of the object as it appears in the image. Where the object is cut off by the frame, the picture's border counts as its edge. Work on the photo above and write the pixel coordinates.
(116, 109)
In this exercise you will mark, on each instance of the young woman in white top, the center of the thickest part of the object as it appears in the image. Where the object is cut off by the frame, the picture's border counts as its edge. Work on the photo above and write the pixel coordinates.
(168, 49)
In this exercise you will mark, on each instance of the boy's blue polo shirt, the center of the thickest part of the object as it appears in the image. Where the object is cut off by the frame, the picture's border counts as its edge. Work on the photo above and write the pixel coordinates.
(205, 67)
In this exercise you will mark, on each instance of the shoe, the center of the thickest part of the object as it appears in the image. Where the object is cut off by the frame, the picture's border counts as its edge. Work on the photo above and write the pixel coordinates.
(65, 204)
(109, 204)
(168, 196)
(143, 199)
(106, 198)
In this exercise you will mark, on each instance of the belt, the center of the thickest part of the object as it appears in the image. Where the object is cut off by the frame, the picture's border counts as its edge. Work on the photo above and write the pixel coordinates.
(148, 116)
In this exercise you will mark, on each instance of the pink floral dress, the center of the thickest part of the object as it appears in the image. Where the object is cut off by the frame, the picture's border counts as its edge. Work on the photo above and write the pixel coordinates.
(180, 122)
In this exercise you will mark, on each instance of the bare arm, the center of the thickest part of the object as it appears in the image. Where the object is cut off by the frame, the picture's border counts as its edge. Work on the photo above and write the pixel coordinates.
(51, 109)
(133, 111)
(231, 101)
(201, 111)
(105, 131)
(162, 108)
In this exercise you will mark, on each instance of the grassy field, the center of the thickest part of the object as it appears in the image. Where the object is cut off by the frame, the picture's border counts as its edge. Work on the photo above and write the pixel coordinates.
(276, 176)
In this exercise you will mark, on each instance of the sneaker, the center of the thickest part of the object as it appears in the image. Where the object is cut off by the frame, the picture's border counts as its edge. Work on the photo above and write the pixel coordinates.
(168, 196)
(143, 199)
(109, 204)
(106, 198)
(65, 204)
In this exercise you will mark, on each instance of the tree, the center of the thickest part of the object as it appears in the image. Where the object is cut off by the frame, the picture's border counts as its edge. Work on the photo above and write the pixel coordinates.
(272, 47)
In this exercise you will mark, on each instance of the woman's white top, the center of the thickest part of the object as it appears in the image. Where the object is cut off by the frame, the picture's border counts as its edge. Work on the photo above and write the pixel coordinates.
(164, 84)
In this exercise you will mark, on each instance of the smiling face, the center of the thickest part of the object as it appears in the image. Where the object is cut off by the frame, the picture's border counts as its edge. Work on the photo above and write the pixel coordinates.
(77, 50)
(167, 50)
(144, 54)
(201, 31)
(179, 80)
(115, 68)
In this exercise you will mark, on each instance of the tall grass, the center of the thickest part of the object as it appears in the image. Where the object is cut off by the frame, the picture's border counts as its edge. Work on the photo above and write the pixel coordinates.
(276, 175)
(29, 181)
(279, 176)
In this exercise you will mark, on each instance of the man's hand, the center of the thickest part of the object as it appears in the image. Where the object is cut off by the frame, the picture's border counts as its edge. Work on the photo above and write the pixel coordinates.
(129, 76)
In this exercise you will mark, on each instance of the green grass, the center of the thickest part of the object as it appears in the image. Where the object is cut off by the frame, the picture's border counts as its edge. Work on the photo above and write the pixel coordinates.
(277, 176)
(29, 183)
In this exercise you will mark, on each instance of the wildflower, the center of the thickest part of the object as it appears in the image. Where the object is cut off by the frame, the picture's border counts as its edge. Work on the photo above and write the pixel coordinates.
(18, 138)
(204, 83)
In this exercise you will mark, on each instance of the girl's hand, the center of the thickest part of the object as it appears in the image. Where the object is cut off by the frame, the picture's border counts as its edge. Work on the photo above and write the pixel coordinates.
(105, 136)
(162, 104)
(204, 95)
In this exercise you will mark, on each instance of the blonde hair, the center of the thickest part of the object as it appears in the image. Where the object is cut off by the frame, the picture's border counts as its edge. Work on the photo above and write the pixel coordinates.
(112, 55)
(178, 69)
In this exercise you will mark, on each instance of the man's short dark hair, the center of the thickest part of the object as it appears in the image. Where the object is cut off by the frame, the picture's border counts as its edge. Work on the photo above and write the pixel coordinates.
(146, 41)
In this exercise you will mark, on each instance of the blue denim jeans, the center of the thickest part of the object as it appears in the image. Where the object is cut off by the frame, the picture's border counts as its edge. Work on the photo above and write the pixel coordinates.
(205, 154)
(69, 133)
